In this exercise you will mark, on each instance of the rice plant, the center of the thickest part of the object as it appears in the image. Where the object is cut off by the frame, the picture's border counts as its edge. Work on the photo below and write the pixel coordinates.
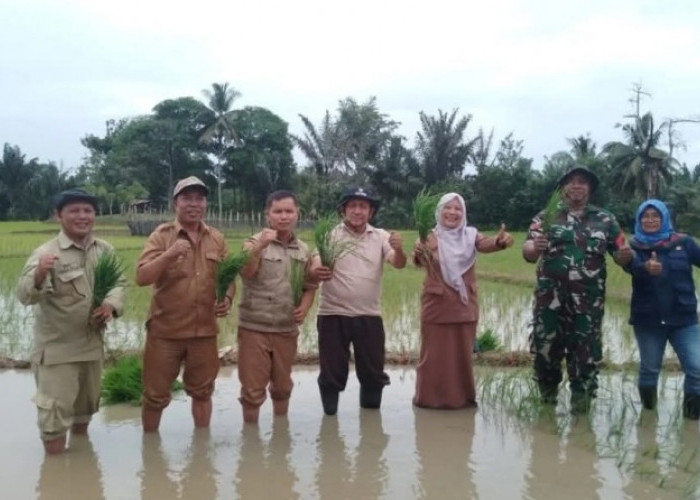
(297, 276)
(488, 341)
(227, 270)
(121, 382)
(424, 207)
(107, 272)
(551, 210)
(330, 249)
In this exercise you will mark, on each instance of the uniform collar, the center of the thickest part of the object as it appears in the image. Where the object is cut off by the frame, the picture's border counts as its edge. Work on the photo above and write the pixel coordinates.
(203, 227)
(368, 229)
(64, 242)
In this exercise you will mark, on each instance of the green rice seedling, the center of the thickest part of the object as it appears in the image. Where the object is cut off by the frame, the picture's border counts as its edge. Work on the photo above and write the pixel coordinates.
(488, 341)
(424, 207)
(107, 273)
(227, 270)
(551, 210)
(330, 249)
(297, 276)
(121, 382)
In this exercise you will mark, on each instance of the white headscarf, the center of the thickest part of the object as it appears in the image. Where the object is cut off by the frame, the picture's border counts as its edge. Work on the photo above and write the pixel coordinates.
(456, 247)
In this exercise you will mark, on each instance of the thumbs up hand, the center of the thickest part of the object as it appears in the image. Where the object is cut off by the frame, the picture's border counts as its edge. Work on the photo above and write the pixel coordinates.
(653, 266)
(623, 255)
(503, 238)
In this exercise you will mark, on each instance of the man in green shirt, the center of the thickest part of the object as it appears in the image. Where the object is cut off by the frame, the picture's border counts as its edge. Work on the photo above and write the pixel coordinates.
(68, 343)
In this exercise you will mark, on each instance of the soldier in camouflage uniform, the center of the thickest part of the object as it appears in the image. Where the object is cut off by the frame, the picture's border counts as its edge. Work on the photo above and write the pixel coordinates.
(569, 246)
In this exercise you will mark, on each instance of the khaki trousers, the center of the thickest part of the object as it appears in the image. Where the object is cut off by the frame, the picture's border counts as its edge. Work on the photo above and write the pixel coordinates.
(265, 359)
(66, 394)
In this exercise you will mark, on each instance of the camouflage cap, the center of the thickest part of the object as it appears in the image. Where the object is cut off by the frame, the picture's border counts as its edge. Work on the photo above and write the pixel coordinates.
(579, 169)
(190, 182)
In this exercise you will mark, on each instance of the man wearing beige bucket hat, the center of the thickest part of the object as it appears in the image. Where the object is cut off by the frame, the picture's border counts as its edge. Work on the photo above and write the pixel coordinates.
(180, 261)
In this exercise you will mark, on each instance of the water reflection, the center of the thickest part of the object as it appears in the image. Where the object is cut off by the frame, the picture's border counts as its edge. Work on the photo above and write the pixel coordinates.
(563, 466)
(265, 471)
(443, 450)
(160, 479)
(336, 477)
(75, 474)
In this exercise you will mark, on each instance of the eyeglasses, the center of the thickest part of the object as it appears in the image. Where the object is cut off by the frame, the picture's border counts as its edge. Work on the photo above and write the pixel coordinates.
(651, 217)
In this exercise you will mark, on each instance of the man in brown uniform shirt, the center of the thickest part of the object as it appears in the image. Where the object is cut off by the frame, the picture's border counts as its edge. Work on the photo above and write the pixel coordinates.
(180, 260)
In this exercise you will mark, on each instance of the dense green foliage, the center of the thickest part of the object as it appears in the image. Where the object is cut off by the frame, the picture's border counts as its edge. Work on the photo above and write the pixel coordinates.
(121, 382)
(247, 153)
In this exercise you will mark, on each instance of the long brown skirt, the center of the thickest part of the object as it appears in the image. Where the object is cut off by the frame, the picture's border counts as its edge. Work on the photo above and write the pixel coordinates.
(444, 375)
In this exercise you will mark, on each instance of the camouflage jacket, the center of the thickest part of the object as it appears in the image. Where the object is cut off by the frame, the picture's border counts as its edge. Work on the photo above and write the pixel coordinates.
(577, 245)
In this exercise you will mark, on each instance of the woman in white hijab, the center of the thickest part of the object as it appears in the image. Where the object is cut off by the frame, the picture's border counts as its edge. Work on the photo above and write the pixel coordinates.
(449, 306)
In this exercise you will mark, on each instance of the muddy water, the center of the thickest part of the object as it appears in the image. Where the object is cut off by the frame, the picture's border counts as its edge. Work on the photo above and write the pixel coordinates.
(398, 453)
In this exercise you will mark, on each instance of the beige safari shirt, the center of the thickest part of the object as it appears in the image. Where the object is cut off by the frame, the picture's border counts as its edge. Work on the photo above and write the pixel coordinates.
(62, 304)
(356, 286)
(266, 302)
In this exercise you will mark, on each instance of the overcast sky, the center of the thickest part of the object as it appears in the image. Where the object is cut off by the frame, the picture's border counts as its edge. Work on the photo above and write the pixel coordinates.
(542, 69)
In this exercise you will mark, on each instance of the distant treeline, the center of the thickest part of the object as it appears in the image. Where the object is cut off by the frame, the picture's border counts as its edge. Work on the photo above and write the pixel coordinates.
(246, 153)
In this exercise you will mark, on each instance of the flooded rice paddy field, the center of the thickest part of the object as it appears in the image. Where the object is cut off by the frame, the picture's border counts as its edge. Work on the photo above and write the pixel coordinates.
(505, 311)
(507, 448)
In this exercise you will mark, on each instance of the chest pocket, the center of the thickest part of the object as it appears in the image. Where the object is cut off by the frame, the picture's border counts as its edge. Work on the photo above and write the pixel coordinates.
(212, 259)
(678, 261)
(71, 286)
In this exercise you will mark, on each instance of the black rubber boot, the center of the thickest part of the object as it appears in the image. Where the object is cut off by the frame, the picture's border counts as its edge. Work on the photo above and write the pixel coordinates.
(691, 406)
(371, 398)
(648, 397)
(548, 392)
(580, 403)
(329, 399)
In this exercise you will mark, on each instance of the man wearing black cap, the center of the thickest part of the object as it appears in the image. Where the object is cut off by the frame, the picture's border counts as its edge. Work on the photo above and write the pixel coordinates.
(349, 310)
(569, 247)
(68, 345)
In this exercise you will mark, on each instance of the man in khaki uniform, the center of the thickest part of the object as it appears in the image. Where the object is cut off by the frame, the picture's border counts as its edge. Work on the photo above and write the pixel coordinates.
(268, 317)
(180, 261)
(68, 343)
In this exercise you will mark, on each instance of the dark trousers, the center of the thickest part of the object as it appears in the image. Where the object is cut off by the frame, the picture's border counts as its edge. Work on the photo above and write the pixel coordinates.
(366, 334)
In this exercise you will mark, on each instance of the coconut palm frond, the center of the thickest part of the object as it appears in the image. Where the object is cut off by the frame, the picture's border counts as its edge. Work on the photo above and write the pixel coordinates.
(107, 273)
(227, 270)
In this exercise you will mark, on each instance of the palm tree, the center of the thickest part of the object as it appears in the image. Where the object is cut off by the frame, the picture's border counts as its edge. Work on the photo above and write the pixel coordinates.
(219, 132)
(441, 145)
(639, 166)
(321, 147)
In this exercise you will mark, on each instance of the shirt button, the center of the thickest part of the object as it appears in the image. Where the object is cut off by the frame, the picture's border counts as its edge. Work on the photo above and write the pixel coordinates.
(197, 274)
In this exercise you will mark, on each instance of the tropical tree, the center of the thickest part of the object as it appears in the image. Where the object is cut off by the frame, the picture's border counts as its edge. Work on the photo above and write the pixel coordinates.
(262, 155)
(441, 146)
(639, 166)
(322, 146)
(219, 133)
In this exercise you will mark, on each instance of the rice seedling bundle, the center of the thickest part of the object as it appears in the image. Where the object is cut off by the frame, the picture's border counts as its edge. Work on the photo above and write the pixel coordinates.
(227, 270)
(424, 207)
(551, 210)
(297, 276)
(107, 272)
(121, 382)
(331, 249)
